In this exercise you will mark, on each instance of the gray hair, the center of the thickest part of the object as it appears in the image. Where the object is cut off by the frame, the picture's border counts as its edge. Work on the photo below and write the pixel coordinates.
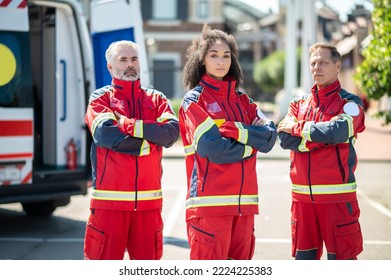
(113, 46)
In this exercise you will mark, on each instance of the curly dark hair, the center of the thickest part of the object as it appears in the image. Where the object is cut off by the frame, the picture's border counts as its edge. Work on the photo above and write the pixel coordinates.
(195, 68)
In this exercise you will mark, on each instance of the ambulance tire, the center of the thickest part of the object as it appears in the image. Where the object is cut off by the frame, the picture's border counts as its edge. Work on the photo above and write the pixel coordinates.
(39, 209)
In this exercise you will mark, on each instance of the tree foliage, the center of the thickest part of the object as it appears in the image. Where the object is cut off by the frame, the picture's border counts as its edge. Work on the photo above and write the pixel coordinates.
(269, 73)
(374, 74)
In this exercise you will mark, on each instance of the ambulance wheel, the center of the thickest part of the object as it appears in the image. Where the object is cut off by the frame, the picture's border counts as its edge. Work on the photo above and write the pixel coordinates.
(39, 209)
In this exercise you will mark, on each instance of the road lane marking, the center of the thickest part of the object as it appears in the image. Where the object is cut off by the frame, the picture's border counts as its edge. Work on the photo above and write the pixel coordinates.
(376, 205)
(283, 241)
(175, 211)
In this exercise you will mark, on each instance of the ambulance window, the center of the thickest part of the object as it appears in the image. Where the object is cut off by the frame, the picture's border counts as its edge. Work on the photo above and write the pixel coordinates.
(15, 78)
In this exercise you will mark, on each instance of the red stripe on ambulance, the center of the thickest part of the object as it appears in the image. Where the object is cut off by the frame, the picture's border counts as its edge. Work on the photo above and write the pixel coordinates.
(16, 128)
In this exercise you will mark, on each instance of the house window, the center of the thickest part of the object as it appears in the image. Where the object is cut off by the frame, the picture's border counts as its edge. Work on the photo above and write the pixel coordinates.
(165, 10)
(202, 8)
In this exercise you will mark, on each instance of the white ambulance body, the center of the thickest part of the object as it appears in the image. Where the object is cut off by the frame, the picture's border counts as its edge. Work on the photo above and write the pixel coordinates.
(51, 59)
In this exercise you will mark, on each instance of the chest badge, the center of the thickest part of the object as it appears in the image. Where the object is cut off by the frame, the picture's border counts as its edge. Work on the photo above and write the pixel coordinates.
(213, 107)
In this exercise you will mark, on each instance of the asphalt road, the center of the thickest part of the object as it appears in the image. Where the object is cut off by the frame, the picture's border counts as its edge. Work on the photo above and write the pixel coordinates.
(60, 237)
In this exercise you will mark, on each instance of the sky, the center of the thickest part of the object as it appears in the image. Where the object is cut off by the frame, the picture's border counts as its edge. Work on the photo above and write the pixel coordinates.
(343, 7)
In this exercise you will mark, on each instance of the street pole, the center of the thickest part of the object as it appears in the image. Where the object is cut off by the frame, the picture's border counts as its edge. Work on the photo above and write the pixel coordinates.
(290, 71)
(308, 38)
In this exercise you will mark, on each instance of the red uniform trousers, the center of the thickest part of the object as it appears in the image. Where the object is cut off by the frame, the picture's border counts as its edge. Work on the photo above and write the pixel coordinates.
(110, 232)
(336, 224)
(221, 237)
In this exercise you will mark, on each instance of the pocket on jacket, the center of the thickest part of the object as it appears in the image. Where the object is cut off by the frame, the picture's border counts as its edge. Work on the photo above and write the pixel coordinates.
(349, 240)
(94, 243)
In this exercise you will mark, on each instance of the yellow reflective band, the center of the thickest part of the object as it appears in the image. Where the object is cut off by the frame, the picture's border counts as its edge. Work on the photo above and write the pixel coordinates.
(126, 196)
(189, 150)
(306, 132)
(303, 145)
(349, 120)
(138, 129)
(101, 118)
(224, 200)
(145, 148)
(247, 151)
(242, 133)
(166, 116)
(201, 129)
(325, 189)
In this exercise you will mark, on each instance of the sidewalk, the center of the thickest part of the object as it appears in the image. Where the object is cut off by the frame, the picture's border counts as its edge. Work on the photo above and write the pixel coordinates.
(374, 144)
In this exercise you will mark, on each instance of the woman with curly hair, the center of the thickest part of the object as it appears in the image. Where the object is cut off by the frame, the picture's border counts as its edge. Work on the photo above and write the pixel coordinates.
(222, 130)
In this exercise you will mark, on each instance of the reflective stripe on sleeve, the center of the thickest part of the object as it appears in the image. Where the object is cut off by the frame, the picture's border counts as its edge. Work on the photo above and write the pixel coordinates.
(201, 129)
(224, 200)
(145, 148)
(166, 116)
(349, 120)
(242, 133)
(306, 132)
(189, 150)
(101, 118)
(138, 129)
(325, 189)
(247, 151)
(126, 196)
(303, 145)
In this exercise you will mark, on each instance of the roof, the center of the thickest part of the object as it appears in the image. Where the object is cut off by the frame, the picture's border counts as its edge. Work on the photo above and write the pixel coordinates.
(346, 45)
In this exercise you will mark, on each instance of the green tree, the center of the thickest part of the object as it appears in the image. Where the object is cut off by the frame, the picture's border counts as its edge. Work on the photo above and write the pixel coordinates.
(374, 74)
(269, 73)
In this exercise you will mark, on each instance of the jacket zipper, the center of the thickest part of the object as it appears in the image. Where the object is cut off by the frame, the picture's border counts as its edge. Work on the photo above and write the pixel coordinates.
(104, 169)
(229, 103)
(240, 111)
(241, 189)
(226, 112)
(309, 176)
(206, 174)
(309, 158)
(136, 177)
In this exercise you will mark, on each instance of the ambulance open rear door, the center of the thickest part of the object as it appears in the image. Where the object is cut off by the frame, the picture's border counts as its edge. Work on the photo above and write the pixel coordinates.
(42, 103)
(16, 113)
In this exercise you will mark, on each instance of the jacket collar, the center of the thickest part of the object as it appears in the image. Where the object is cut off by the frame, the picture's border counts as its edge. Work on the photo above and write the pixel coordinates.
(126, 87)
(328, 92)
(218, 87)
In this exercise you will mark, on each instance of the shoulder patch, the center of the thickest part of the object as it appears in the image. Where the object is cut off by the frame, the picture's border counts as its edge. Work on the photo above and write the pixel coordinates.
(192, 97)
(99, 92)
(154, 91)
(351, 109)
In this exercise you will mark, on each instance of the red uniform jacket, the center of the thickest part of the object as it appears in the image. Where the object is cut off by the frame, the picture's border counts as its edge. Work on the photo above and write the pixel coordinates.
(221, 145)
(323, 159)
(126, 160)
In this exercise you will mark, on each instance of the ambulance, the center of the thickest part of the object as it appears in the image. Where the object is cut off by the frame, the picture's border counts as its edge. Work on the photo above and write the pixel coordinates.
(51, 59)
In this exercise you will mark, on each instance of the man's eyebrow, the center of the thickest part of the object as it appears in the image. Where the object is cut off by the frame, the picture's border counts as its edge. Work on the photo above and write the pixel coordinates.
(132, 57)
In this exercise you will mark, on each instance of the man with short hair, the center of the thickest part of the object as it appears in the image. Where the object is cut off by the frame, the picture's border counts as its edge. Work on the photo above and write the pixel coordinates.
(129, 124)
(320, 130)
